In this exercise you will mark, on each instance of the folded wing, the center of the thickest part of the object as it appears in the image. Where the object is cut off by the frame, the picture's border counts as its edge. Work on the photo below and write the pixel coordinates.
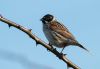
(61, 29)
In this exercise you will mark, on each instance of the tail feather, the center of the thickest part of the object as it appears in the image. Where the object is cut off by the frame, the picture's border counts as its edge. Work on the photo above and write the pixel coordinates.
(82, 47)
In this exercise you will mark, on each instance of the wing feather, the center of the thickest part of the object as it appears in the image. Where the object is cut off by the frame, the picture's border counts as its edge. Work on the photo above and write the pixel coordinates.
(61, 29)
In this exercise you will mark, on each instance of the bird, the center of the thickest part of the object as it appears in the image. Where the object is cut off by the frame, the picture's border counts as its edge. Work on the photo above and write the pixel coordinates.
(57, 34)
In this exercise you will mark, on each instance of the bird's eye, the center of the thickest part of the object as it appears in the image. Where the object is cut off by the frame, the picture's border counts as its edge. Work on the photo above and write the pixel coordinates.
(50, 17)
(44, 17)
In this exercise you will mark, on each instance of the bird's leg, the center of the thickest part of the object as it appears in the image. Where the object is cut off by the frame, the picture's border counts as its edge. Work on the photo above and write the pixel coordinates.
(62, 51)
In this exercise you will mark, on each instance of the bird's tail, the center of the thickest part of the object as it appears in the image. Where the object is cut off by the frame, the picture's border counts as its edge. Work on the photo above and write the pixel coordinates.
(82, 47)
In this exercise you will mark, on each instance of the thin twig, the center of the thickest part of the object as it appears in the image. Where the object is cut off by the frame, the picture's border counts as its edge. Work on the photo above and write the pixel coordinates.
(39, 41)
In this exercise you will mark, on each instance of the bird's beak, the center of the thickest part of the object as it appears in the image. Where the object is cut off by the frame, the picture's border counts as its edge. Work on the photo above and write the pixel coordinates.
(41, 19)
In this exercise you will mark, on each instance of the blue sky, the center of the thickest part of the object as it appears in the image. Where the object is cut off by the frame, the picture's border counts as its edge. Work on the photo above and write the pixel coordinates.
(18, 51)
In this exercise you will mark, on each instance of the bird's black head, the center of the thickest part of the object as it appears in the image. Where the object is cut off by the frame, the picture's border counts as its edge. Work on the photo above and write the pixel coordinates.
(47, 18)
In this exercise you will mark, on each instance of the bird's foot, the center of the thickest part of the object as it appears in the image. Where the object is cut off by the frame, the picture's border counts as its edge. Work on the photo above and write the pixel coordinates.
(51, 47)
(63, 54)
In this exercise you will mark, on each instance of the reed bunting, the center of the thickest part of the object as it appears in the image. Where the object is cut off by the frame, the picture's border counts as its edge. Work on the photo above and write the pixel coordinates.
(57, 34)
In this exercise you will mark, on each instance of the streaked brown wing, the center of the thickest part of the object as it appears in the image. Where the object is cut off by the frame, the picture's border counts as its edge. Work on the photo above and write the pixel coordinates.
(61, 29)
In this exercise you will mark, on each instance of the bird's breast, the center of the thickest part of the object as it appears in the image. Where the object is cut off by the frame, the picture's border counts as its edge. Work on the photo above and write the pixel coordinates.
(54, 38)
